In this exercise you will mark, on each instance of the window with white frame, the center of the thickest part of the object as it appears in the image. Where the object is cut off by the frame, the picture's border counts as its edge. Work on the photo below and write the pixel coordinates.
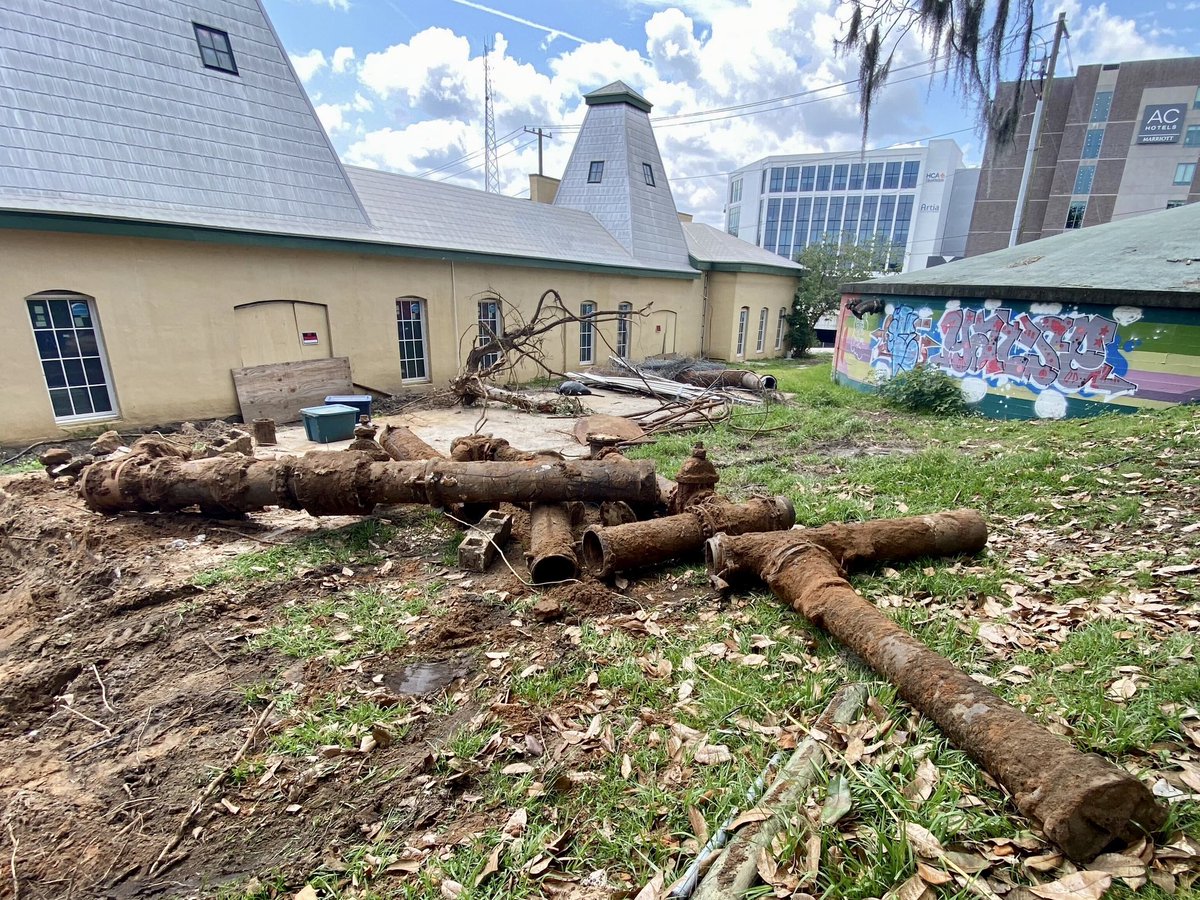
(762, 332)
(743, 323)
(587, 334)
(66, 330)
(490, 327)
(410, 329)
(1184, 173)
(623, 311)
(781, 328)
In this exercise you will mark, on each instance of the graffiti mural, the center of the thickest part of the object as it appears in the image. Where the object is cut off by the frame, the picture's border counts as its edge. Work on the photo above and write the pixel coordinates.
(1075, 354)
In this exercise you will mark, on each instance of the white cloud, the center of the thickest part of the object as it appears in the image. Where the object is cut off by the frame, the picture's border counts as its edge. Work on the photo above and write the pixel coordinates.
(331, 116)
(420, 102)
(308, 64)
(341, 59)
(1101, 36)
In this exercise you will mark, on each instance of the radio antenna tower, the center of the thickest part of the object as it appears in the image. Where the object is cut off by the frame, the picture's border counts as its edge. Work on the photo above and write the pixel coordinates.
(491, 163)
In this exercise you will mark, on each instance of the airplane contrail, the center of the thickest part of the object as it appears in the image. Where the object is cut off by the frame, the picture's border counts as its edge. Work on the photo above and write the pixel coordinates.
(553, 32)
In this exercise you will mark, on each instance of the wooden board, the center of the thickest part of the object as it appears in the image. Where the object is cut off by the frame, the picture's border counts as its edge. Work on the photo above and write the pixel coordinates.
(617, 426)
(280, 390)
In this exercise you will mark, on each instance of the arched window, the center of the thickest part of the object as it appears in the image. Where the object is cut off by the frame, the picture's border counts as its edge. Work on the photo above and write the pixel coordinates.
(491, 325)
(411, 329)
(587, 334)
(623, 309)
(761, 345)
(743, 324)
(781, 328)
(66, 329)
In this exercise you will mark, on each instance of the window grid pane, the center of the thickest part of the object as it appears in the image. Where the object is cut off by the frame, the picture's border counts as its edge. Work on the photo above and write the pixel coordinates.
(586, 333)
(489, 327)
(857, 173)
(839, 177)
(762, 331)
(808, 177)
(791, 179)
(624, 309)
(215, 50)
(867, 223)
(817, 228)
(596, 171)
(874, 176)
(1184, 173)
(776, 180)
(410, 328)
(72, 366)
(1192, 137)
(803, 211)
(1101, 106)
(1075, 214)
(908, 178)
(648, 173)
(891, 176)
(785, 227)
(771, 230)
(743, 321)
(1092, 142)
(850, 224)
(824, 173)
(1083, 180)
(735, 220)
(780, 328)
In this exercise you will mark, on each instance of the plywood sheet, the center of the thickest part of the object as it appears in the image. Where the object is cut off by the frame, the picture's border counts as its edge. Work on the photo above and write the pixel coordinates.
(280, 390)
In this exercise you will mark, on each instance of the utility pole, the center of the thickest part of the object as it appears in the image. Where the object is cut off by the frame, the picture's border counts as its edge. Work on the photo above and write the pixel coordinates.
(540, 134)
(1035, 131)
(491, 163)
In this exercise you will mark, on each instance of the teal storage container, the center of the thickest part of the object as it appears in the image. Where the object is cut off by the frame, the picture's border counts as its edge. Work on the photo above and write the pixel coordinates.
(325, 424)
(361, 402)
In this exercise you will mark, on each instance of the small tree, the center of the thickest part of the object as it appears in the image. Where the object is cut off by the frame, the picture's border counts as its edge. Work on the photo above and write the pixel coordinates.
(827, 266)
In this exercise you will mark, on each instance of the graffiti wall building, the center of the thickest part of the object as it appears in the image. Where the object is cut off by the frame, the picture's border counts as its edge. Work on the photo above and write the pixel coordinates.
(1092, 321)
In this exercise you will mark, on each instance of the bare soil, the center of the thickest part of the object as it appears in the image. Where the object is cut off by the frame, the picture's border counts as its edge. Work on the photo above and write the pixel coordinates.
(124, 687)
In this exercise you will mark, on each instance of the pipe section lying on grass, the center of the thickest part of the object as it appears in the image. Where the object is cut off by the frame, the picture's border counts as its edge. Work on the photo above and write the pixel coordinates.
(1081, 801)
(329, 483)
(607, 551)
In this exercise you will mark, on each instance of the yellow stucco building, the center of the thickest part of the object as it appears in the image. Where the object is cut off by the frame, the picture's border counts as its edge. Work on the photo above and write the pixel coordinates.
(160, 246)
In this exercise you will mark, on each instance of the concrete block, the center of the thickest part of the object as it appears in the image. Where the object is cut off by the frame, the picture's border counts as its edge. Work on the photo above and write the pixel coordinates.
(478, 548)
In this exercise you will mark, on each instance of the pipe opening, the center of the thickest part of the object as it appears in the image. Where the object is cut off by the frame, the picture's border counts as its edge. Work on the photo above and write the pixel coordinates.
(593, 552)
(554, 568)
(769, 383)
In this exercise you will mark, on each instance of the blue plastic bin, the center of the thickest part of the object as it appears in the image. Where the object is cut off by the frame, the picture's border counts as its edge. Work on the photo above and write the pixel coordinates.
(361, 402)
(325, 424)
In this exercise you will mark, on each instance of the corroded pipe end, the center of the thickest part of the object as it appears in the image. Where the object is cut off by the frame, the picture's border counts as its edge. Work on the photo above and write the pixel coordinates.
(554, 567)
(958, 531)
(785, 510)
(595, 551)
(715, 559)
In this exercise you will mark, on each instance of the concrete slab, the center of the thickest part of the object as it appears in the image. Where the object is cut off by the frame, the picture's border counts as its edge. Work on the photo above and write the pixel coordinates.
(525, 431)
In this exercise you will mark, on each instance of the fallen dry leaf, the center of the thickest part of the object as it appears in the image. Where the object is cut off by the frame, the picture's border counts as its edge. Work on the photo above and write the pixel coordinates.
(749, 817)
(912, 889)
(922, 840)
(931, 875)
(837, 800)
(653, 888)
(712, 754)
(491, 867)
(699, 826)
(1129, 869)
(308, 892)
(1084, 885)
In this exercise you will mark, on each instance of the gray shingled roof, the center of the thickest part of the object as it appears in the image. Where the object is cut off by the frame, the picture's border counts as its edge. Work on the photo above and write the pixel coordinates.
(422, 213)
(711, 245)
(641, 216)
(1128, 261)
(107, 109)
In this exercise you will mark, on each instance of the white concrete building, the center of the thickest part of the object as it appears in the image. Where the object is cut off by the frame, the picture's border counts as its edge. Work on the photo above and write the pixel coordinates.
(909, 195)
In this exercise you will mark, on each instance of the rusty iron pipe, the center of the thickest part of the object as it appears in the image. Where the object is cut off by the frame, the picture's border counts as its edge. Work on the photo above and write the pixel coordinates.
(551, 544)
(607, 551)
(403, 445)
(351, 483)
(1081, 801)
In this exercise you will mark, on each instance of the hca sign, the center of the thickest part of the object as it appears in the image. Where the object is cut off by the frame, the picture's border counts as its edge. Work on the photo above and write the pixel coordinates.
(1162, 123)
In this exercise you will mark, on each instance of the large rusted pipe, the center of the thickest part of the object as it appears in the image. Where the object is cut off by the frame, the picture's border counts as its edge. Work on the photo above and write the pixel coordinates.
(403, 445)
(607, 551)
(551, 544)
(1081, 801)
(350, 483)
(741, 378)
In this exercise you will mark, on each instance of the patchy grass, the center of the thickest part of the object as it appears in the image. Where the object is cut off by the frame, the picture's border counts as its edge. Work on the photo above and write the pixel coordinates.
(352, 625)
(27, 464)
(1082, 612)
(360, 543)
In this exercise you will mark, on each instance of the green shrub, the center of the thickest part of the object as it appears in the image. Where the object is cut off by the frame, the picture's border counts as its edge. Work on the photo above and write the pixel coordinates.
(924, 389)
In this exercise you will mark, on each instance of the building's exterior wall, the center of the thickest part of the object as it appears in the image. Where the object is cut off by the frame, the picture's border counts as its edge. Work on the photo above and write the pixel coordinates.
(166, 311)
(728, 293)
(750, 194)
(1025, 360)
(1130, 178)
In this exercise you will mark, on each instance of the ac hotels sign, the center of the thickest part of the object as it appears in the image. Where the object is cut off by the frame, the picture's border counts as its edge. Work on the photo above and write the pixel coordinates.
(1162, 123)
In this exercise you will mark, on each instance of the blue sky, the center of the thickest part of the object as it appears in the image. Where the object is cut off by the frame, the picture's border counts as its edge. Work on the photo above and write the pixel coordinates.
(399, 84)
